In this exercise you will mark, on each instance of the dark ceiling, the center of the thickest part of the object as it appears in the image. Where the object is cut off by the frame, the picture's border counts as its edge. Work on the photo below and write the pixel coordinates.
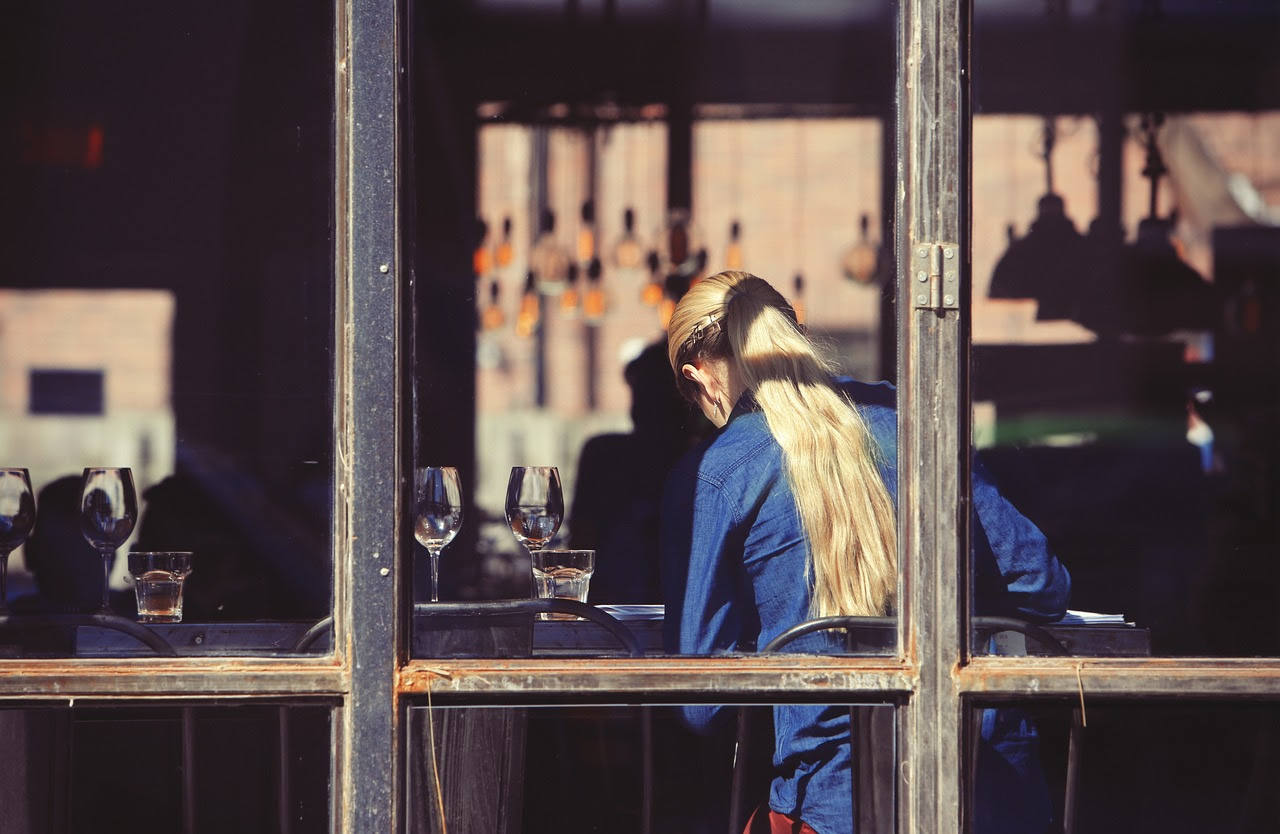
(1138, 54)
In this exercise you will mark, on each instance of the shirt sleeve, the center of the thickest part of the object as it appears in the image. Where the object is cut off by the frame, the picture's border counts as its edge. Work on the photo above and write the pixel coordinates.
(699, 576)
(1015, 572)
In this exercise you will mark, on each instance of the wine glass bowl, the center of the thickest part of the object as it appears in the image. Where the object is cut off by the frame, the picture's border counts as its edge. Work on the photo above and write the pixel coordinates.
(108, 511)
(535, 505)
(17, 518)
(437, 516)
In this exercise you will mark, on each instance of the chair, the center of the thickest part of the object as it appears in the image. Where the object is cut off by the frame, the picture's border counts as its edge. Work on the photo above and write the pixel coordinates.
(873, 783)
(137, 631)
(872, 728)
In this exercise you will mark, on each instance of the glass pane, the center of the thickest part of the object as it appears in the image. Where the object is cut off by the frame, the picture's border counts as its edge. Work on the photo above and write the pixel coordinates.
(168, 308)
(260, 768)
(1124, 254)
(1134, 767)
(597, 203)
(644, 768)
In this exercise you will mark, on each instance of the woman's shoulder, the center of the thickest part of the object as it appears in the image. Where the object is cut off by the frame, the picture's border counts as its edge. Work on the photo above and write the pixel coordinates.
(745, 442)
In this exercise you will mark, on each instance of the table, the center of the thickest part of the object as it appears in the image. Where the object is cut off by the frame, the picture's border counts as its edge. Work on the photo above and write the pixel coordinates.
(454, 630)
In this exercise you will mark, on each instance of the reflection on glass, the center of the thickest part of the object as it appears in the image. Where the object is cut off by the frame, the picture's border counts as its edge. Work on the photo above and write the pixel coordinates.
(1123, 374)
(175, 310)
(17, 517)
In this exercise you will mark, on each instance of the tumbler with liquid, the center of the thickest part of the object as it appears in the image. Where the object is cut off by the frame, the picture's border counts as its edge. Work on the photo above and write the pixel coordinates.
(158, 579)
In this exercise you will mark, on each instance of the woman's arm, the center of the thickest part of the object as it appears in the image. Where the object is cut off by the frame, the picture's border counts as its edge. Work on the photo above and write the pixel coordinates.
(703, 615)
(1015, 571)
(700, 565)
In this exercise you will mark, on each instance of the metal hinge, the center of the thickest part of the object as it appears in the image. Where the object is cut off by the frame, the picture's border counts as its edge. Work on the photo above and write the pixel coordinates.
(935, 276)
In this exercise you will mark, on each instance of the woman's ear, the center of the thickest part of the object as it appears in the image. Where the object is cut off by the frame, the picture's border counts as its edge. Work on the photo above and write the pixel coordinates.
(695, 375)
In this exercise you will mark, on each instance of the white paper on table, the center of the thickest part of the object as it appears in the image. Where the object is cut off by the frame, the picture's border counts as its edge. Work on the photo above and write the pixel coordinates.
(1092, 618)
(633, 612)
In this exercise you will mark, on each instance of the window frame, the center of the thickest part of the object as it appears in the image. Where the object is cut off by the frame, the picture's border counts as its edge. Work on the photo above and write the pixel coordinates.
(931, 680)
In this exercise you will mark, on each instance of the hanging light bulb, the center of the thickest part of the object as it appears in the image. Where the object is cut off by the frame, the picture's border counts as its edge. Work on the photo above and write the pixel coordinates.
(651, 295)
(530, 313)
(679, 240)
(492, 317)
(733, 254)
(587, 233)
(549, 260)
(696, 268)
(569, 299)
(627, 252)
(504, 251)
(861, 261)
(593, 306)
(797, 303)
(480, 260)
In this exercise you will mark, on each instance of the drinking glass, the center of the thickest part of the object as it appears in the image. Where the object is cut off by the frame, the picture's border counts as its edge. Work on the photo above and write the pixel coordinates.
(17, 517)
(562, 574)
(535, 505)
(108, 511)
(437, 500)
(158, 577)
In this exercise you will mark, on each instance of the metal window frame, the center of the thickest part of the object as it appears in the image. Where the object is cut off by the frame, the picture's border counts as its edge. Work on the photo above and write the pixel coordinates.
(931, 680)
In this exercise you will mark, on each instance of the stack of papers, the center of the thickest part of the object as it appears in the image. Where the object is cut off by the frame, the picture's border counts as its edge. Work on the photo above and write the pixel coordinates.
(1092, 618)
(633, 612)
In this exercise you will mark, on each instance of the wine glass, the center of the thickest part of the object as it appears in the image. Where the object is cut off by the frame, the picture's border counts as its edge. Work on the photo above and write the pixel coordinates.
(535, 505)
(108, 511)
(17, 517)
(437, 504)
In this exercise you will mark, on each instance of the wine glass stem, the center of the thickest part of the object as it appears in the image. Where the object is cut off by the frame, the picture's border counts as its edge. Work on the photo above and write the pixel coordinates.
(108, 556)
(435, 575)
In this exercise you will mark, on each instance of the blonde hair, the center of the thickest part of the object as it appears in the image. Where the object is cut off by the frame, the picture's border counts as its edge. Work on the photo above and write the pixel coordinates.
(831, 459)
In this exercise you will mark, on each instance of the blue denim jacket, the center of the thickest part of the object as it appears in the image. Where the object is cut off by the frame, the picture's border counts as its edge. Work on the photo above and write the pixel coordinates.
(733, 578)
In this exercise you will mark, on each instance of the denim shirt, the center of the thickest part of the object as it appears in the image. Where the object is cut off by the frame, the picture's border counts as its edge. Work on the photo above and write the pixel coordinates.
(734, 576)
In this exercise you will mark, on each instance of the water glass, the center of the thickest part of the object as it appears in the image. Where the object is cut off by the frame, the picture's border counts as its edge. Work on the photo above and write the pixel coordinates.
(158, 579)
(562, 574)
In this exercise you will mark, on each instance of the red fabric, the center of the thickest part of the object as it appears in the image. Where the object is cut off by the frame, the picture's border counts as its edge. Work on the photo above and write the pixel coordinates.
(775, 823)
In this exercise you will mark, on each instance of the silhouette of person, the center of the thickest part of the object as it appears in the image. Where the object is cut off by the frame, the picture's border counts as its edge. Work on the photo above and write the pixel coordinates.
(66, 568)
(226, 582)
(619, 483)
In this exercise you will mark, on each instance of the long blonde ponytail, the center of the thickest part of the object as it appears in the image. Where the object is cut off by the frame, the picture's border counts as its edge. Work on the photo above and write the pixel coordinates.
(831, 460)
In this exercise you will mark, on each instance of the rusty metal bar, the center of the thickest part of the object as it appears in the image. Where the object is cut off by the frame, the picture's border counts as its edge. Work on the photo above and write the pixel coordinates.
(1158, 677)
(367, 763)
(663, 679)
(161, 678)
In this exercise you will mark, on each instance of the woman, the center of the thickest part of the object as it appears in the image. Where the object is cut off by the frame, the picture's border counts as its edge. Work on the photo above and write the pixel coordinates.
(786, 513)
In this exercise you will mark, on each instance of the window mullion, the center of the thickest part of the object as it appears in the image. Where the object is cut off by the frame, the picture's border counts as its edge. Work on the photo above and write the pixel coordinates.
(932, 121)
(368, 764)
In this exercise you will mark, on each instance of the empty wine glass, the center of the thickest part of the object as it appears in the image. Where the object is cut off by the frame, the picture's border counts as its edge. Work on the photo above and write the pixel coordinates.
(437, 500)
(108, 511)
(17, 517)
(535, 505)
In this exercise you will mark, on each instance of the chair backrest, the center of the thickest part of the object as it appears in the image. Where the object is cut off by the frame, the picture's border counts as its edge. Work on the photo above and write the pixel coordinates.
(524, 609)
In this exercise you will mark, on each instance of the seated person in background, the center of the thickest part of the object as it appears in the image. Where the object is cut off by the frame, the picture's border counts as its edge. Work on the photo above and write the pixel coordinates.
(619, 484)
(66, 568)
(786, 513)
